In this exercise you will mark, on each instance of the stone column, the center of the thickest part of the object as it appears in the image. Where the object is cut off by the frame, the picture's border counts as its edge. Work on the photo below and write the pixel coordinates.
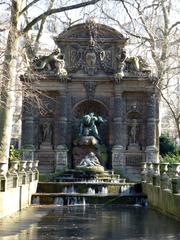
(28, 132)
(118, 109)
(118, 156)
(151, 144)
(28, 138)
(61, 133)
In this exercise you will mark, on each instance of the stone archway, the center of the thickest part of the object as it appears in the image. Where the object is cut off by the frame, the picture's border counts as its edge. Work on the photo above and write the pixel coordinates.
(79, 110)
(87, 106)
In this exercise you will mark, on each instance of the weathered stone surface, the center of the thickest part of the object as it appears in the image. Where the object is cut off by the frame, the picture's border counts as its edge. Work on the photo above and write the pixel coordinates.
(88, 140)
(129, 103)
(163, 200)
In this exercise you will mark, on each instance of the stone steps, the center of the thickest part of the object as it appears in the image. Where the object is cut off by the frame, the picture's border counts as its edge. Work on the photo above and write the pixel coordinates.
(66, 193)
(76, 198)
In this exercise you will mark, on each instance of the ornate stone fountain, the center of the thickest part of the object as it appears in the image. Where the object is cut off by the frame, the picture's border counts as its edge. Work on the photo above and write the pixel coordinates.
(91, 72)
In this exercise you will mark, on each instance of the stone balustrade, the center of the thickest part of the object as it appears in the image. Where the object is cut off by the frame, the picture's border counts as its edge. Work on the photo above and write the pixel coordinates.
(163, 175)
(161, 184)
(17, 184)
(19, 173)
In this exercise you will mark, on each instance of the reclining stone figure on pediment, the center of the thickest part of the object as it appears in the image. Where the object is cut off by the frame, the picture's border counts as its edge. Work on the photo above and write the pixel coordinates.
(136, 64)
(53, 63)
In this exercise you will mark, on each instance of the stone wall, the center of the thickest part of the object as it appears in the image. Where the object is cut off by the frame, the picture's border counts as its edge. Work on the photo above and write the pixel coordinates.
(161, 184)
(16, 189)
(163, 200)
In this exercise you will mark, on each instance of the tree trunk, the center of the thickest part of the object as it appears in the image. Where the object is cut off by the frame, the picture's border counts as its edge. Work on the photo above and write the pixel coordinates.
(177, 126)
(9, 83)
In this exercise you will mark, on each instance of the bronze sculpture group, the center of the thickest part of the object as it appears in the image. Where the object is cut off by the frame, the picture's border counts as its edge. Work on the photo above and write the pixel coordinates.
(88, 125)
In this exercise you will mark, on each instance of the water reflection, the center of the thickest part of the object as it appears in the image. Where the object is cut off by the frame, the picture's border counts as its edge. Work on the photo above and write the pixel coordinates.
(89, 222)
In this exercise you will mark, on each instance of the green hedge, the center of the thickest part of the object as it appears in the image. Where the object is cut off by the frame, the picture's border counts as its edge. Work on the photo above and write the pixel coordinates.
(169, 151)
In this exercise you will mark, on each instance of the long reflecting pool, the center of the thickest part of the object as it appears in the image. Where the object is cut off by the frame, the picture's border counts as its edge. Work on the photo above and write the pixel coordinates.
(89, 222)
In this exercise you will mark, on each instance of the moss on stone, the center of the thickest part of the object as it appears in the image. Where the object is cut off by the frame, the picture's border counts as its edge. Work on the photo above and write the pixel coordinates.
(91, 169)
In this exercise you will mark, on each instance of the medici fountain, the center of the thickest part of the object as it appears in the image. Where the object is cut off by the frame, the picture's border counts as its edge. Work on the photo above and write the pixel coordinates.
(99, 121)
(89, 182)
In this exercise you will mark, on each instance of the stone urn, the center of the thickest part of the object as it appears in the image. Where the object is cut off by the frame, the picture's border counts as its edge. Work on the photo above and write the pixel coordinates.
(175, 169)
(163, 168)
(35, 164)
(156, 175)
(164, 179)
(22, 165)
(149, 172)
(3, 168)
(143, 172)
(175, 178)
(29, 165)
(14, 165)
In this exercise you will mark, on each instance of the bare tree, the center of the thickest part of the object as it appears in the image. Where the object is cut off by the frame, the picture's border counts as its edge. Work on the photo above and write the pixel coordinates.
(153, 27)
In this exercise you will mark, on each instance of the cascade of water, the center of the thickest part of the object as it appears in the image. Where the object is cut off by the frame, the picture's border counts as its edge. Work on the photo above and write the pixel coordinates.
(84, 201)
(104, 190)
(59, 201)
(91, 191)
(72, 201)
(69, 189)
(125, 190)
(65, 190)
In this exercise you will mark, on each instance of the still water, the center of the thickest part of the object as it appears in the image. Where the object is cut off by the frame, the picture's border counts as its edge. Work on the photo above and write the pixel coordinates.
(89, 223)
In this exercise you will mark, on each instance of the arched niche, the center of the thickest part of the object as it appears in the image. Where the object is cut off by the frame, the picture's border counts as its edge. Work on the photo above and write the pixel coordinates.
(85, 107)
(88, 106)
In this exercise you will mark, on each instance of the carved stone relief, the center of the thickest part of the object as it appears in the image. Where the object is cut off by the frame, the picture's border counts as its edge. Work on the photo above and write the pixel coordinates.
(90, 89)
(136, 104)
(90, 59)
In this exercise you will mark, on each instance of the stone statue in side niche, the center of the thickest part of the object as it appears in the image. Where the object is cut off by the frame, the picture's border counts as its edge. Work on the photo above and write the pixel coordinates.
(52, 63)
(134, 132)
(88, 125)
(46, 132)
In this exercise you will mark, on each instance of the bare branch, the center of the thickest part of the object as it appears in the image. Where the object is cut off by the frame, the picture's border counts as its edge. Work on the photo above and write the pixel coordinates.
(28, 6)
(124, 28)
(58, 10)
(173, 26)
(42, 25)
